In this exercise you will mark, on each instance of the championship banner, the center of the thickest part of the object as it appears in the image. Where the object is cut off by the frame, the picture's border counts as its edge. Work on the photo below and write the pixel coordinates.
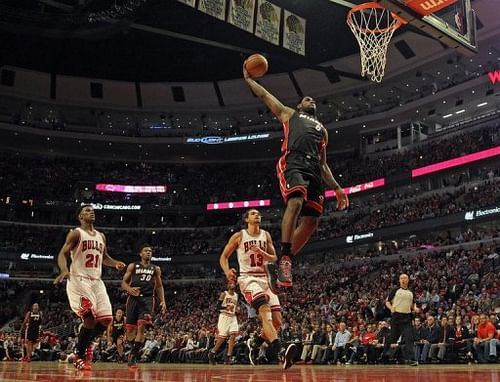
(215, 8)
(268, 22)
(294, 33)
(241, 14)
(191, 3)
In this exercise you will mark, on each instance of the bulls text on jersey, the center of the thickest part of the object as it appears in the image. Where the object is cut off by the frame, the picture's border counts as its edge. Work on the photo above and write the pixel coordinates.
(92, 244)
(261, 244)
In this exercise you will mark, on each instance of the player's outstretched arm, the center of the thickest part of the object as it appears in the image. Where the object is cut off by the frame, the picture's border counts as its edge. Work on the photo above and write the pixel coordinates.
(109, 261)
(282, 112)
(230, 247)
(72, 239)
(327, 176)
(160, 292)
(127, 278)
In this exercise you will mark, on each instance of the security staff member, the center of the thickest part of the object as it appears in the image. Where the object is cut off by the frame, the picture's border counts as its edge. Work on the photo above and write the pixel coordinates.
(401, 304)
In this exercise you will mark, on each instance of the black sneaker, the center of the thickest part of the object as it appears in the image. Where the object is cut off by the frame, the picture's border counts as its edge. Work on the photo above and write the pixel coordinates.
(272, 276)
(285, 272)
(211, 358)
(290, 353)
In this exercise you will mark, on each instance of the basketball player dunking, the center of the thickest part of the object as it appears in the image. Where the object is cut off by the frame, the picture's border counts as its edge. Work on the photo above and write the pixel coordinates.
(141, 281)
(116, 333)
(30, 330)
(301, 171)
(87, 294)
(227, 326)
(255, 249)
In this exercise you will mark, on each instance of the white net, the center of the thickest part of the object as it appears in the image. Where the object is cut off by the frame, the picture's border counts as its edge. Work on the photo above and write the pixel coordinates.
(373, 27)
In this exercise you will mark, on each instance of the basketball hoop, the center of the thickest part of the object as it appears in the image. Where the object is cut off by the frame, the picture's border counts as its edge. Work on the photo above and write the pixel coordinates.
(373, 27)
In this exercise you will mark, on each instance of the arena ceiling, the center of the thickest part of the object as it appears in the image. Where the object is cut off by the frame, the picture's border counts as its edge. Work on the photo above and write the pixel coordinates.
(73, 37)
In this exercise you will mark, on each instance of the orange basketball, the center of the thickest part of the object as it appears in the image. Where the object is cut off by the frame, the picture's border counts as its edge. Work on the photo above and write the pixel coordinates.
(256, 65)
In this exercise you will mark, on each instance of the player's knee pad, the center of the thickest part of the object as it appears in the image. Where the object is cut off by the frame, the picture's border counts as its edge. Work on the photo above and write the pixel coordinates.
(258, 302)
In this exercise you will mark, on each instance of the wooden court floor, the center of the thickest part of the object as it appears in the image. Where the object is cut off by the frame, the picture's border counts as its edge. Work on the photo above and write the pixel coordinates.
(109, 372)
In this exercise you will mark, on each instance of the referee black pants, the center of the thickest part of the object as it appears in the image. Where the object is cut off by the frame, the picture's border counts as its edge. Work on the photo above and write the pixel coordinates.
(401, 325)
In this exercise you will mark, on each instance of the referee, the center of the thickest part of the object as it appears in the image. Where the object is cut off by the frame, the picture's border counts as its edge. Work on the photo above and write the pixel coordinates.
(402, 305)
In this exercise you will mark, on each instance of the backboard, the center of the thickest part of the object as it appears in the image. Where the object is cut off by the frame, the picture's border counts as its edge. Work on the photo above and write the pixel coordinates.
(452, 22)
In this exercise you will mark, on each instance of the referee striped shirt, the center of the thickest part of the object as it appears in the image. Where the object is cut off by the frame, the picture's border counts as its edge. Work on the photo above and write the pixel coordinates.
(401, 299)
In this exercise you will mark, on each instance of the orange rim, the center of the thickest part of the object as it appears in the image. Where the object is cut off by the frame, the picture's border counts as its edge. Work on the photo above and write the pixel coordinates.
(370, 5)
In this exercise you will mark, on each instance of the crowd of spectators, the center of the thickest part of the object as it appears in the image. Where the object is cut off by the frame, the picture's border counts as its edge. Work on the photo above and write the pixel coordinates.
(326, 298)
(67, 180)
(210, 240)
(332, 294)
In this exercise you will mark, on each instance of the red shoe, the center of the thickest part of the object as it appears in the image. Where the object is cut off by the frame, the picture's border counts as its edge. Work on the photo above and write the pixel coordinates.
(89, 354)
(81, 364)
(78, 363)
(87, 366)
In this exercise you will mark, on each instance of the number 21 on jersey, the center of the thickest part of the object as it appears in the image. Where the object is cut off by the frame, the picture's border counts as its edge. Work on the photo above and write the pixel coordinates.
(91, 260)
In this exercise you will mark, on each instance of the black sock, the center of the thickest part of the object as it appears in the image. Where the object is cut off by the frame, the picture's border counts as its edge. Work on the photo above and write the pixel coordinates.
(99, 329)
(136, 346)
(286, 249)
(84, 337)
(274, 349)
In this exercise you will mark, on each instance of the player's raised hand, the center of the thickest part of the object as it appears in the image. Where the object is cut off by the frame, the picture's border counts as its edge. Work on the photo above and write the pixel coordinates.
(342, 199)
(245, 72)
(163, 307)
(120, 265)
(134, 291)
(61, 277)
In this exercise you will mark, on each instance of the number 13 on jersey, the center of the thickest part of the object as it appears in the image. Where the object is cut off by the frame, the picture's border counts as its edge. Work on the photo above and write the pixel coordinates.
(256, 260)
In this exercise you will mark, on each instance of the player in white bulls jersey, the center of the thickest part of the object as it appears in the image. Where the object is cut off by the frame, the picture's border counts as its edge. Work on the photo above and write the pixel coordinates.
(227, 327)
(256, 254)
(87, 294)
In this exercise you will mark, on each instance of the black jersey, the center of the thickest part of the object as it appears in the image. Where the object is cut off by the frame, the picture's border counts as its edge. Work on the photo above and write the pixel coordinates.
(33, 325)
(304, 134)
(118, 327)
(143, 277)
